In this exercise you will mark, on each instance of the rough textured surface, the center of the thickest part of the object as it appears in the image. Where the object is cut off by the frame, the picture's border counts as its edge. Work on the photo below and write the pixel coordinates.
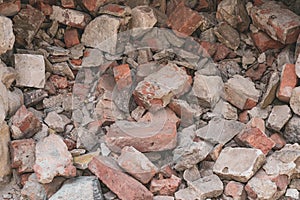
(30, 70)
(112, 176)
(158, 135)
(53, 159)
(291, 132)
(7, 36)
(281, 24)
(24, 124)
(81, 188)
(241, 92)
(26, 24)
(137, 164)
(187, 23)
(207, 187)
(157, 89)
(295, 100)
(220, 131)
(240, 168)
(288, 82)
(70, 17)
(208, 89)
(189, 150)
(279, 116)
(101, 38)
(4, 153)
(23, 155)
(234, 13)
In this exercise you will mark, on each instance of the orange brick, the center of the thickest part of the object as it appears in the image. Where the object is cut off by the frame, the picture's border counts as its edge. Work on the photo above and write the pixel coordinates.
(122, 76)
(288, 82)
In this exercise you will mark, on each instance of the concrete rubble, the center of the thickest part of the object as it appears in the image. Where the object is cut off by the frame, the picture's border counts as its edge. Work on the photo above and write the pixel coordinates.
(149, 99)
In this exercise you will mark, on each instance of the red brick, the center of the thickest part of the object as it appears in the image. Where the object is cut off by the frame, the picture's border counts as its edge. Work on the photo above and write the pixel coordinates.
(118, 182)
(68, 3)
(93, 5)
(279, 23)
(45, 8)
(25, 124)
(122, 76)
(209, 49)
(255, 73)
(263, 42)
(204, 5)
(76, 62)
(71, 37)
(184, 20)
(243, 116)
(288, 82)
(253, 135)
(71, 144)
(235, 190)
(23, 155)
(279, 141)
(167, 186)
(59, 82)
(10, 8)
(157, 135)
(221, 53)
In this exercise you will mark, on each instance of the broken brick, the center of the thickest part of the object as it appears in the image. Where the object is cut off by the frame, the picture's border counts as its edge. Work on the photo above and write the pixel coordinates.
(71, 37)
(288, 82)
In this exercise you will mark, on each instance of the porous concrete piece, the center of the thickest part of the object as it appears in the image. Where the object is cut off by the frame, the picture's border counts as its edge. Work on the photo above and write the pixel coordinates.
(233, 164)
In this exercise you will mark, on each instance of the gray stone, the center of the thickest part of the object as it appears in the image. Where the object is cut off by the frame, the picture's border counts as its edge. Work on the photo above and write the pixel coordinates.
(33, 190)
(137, 164)
(227, 35)
(208, 89)
(207, 187)
(53, 159)
(232, 163)
(57, 51)
(295, 100)
(292, 132)
(3, 101)
(284, 162)
(79, 188)
(260, 112)
(7, 38)
(270, 93)
(62, 69)
(30, 70)
(191, 174)
(292, 193)
(234, 13)
(57, 122)
(279, 116)
(93, 58)
(101, 33)
(143, 18)
(7, 74)
(184, 111)
(5, 169)
(186, 194)
(226, 110)
(70, 17)
(220, 131)
(241, 92)
(297, 66)
(261, 188)
(15, 100)
(189, 152)
(163, 198)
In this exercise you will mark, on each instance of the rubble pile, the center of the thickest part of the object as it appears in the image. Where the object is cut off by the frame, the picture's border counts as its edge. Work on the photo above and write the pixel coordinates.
(149, 99)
